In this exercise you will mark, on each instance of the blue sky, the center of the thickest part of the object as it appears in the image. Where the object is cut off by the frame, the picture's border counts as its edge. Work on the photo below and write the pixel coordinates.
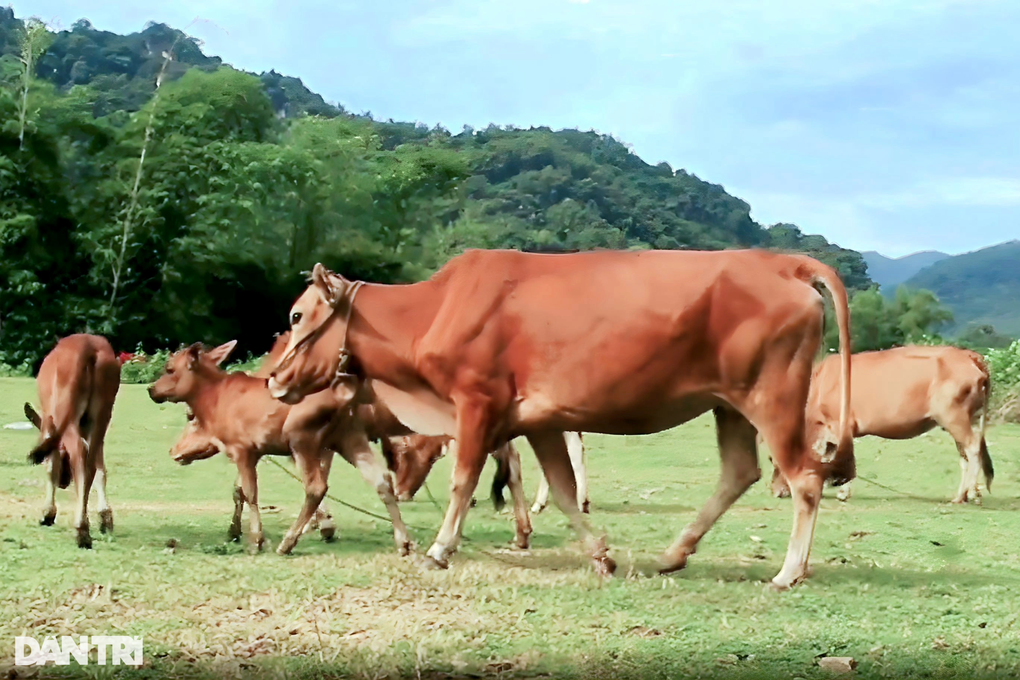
(890, 125)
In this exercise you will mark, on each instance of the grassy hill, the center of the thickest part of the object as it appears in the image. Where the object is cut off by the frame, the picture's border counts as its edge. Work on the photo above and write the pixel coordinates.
(982, 287)
(889, 272)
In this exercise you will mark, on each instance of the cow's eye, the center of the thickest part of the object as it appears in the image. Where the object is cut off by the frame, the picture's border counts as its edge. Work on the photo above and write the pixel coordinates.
(169, 370)
(295, 318)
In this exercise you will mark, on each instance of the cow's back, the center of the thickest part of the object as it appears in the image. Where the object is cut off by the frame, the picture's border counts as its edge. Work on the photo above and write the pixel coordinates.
(620, 333)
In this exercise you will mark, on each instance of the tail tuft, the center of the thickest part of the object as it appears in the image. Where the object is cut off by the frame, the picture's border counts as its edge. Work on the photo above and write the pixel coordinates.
(45, 448)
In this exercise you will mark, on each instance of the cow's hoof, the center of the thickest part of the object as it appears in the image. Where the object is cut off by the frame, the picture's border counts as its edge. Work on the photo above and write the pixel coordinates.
(958, 501)
(430, 563)
(234, 534)
(405, 548)
(585, 507)
(84, 540)
(327, 530)
(48, 520)
(536, 509)
(522, 542)
(783, 492)
(106, 521)
(255, 545)
(777, 587)
(605, 565)
(672, 563)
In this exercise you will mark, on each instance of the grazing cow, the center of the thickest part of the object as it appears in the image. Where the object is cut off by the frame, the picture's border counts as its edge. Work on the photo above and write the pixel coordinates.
(902, 393)
(239, 415)
(78, 383)
(500, 344)
(411, 458)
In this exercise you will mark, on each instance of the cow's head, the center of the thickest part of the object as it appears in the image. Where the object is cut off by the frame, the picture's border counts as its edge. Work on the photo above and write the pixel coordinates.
(410, 459)
(318, 327)
(182, 373)
(194, 443)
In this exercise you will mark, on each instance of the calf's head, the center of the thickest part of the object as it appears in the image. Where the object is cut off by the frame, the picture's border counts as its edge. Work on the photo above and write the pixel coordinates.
(194, 443)
(410, 459)
(318, 327)
(182, 375)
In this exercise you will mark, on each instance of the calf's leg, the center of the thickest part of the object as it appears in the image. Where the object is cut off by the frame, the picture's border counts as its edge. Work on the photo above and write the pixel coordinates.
(234, 532)
(542, 497)
(738, 453)
(84, 472)
(575, 449)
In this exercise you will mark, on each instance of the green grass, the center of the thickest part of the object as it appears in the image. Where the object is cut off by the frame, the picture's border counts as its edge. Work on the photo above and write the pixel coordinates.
(908, 586)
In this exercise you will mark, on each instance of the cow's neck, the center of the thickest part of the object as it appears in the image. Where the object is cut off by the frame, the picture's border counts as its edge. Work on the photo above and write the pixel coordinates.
(385, 325)
(205, 398)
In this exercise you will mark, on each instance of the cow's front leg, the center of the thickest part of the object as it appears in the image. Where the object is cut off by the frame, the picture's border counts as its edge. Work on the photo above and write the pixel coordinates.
(471, 453)
(306, 457)
(356, 451)
(551, 451)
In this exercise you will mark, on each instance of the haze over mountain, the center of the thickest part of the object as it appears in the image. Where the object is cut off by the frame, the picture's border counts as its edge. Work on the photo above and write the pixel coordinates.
(889, 272)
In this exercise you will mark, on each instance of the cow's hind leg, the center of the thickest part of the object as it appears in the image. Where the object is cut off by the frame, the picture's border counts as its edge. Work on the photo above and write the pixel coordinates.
(355, 450)
(968, 443)
(551, 451)
(54, 465)
(739, 456)
(83, 472)
(780, 489)
(246, 461)
(234, 532)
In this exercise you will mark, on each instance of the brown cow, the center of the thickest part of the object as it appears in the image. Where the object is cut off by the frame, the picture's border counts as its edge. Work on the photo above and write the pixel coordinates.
(411, 458)
(902, 393)
(247, 423)
(78, 383)
(500, 344)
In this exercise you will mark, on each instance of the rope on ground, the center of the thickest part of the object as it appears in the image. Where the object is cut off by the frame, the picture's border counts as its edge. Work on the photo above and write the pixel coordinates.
(345, 503)
(889, 488)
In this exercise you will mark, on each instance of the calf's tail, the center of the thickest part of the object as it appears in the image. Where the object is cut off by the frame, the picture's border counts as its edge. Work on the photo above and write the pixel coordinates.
(986, 459)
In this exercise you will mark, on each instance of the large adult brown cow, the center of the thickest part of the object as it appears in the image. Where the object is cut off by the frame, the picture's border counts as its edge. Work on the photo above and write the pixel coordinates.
(78, 383)
(500, 344)
(902, 393)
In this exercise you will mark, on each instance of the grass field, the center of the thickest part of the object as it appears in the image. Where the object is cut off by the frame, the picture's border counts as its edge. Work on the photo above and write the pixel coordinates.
(909, 586)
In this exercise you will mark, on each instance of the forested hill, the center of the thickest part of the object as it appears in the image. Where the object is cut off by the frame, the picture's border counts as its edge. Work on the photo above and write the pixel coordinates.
(241, 189)
(981, 288)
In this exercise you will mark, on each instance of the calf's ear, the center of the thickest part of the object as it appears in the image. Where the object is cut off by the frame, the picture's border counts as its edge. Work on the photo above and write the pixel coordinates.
(33, 416)
(219, 354)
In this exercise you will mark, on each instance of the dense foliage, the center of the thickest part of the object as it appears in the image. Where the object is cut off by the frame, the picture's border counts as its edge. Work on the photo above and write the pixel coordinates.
(150, 193)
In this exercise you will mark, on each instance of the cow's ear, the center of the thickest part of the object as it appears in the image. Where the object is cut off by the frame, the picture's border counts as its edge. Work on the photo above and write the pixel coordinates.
(194, 353)
(218, 355)
(32, 416)
(322, 280)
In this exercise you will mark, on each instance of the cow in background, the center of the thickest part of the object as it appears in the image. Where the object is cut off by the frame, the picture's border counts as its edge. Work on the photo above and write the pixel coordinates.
(78, 383)
(902, 393)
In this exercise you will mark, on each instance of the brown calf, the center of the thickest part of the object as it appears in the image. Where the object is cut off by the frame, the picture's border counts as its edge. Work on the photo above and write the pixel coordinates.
(78, 383)
(411, 458)
(195, 443)
(902, 393)
(241, 417)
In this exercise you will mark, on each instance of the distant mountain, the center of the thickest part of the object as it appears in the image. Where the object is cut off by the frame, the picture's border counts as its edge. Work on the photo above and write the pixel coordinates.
(890, 272)
(982, 287)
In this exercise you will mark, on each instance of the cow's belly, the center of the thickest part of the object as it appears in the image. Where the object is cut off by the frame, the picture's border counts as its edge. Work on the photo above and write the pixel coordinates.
(891, 428)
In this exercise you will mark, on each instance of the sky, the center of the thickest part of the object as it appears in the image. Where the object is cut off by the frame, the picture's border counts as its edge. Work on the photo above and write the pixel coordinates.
(889, 125)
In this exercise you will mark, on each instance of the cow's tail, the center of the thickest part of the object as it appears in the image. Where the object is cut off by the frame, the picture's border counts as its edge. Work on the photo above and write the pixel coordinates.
(50, 443)
(827, 277)
(62, 412)
(502, 477)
